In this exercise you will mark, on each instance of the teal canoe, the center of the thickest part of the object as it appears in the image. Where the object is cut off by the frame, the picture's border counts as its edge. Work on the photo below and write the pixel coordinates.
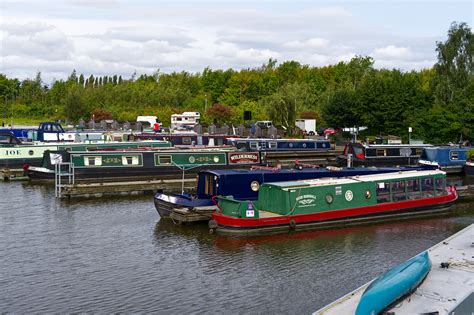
(394, 284)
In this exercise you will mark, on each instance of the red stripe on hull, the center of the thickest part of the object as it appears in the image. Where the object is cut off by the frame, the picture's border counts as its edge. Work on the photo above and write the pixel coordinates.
(224, 220)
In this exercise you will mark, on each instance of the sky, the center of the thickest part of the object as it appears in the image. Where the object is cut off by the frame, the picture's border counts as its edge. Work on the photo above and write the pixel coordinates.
(108, 37)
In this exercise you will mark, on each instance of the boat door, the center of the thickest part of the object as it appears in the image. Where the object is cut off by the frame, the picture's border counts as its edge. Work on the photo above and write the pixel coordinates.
(199, 140)
(211, 142)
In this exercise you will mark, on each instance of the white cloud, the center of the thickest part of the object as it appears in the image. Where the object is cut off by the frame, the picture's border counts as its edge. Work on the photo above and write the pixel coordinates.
(392, 52)
(106, 37)
(312, 43)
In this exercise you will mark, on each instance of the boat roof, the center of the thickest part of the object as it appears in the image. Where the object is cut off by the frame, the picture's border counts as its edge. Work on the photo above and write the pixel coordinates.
(449, 148)
(292, 170)
(442, 288)
(355, 179)
(278, 140)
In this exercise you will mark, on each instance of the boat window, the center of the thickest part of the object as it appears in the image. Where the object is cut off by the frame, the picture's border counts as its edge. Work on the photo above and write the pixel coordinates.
(253, 145)
(130, 160)
(5, 139)
(381, 152)
(383, 192)
(427, 187)
(220, 141)
(419, 151)
(92, 160)
(398, 191)
(164, 159)
(91, 148)
(440, 185)
(186, 140)
(272, 145)
(454, 155)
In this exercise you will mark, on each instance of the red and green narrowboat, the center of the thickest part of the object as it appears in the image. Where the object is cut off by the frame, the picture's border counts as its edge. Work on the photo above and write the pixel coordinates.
(285, 206)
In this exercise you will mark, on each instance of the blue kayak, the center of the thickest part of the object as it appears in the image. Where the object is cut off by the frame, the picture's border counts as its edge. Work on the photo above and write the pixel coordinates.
(394, 284)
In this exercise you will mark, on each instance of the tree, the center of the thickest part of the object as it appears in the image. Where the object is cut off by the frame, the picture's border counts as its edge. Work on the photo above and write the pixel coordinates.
(219, 113)
(455, 65)
(286, 102)
(75, 108)
(341, 110)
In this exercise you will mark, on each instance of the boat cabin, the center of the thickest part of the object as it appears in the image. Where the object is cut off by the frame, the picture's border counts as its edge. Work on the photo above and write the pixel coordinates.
(447, 158)
(382, 154)
(8, 139)
(263, 144)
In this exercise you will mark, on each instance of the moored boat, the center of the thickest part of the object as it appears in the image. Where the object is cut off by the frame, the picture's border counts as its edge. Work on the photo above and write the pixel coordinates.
(450, 159)
(310, 203)
(382, 154)
(16, 154)
(394, 284)
(245, 184)
(264, 144)
(469, 168)
(140, 163)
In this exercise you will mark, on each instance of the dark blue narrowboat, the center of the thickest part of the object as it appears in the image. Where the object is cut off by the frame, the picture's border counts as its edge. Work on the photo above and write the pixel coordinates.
(245, 184)
(263, 144)
(382, 154)
(450, 159)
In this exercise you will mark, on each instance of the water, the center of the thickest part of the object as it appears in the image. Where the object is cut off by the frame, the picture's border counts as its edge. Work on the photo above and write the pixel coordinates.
(116, 255)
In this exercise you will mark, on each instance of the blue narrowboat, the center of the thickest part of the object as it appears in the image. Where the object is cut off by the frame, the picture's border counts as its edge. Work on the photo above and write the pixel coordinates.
(450, 159)
(245, 184)
(263, 144)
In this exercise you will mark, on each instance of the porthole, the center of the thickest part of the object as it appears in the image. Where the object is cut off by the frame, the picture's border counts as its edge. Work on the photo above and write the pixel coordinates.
(329, 198)
(255, 186)
(30, 152)
(304, 145)
(368, 194)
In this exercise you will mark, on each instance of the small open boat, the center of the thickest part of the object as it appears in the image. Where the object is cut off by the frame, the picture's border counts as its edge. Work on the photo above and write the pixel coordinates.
(394, 284)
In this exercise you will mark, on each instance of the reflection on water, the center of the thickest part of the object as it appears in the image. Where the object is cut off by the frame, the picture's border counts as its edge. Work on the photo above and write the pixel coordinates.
(116, 255)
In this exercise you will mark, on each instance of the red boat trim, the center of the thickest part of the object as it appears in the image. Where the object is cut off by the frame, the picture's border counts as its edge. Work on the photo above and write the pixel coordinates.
(228, 221)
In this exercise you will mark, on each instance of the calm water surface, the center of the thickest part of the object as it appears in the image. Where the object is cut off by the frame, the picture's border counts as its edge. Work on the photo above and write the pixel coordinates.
(116, 255)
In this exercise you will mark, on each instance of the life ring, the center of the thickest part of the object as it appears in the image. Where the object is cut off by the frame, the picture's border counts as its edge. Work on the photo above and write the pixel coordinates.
(292, 224)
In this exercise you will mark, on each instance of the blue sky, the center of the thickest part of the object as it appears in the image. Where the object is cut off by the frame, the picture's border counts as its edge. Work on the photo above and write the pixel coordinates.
(104, 37)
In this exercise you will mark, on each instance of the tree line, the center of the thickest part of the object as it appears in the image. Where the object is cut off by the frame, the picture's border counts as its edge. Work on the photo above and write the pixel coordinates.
(437, 102)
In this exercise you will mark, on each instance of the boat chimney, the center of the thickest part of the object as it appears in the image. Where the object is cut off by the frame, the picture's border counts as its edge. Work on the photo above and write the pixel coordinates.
(349, 160)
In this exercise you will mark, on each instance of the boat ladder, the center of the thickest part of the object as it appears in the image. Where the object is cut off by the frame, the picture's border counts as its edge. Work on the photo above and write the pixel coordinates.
(63, 176)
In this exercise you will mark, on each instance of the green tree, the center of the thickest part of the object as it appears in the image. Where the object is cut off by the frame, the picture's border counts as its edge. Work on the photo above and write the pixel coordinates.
(341, 110)
(455, 66)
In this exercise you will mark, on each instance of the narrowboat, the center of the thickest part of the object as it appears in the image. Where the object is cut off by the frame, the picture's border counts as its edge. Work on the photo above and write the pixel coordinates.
(394, 284)
(16, 154)
(305, 204)
(185, 139)
(142, 163)
(264, 144)
(244, 184)
(447, 158)
(381, 154)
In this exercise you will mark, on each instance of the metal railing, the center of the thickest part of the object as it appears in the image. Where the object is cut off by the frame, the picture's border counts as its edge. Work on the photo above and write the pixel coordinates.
(61, 170)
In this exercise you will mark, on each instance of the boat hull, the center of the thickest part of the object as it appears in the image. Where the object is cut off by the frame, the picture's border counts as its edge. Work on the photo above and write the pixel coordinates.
(469, 169)
(394, 284)
(165, 204)
(231, 225)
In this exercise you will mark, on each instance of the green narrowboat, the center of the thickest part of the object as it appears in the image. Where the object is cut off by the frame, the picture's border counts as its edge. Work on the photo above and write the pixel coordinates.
(309, 203)
(135, 163)
(16, 154)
